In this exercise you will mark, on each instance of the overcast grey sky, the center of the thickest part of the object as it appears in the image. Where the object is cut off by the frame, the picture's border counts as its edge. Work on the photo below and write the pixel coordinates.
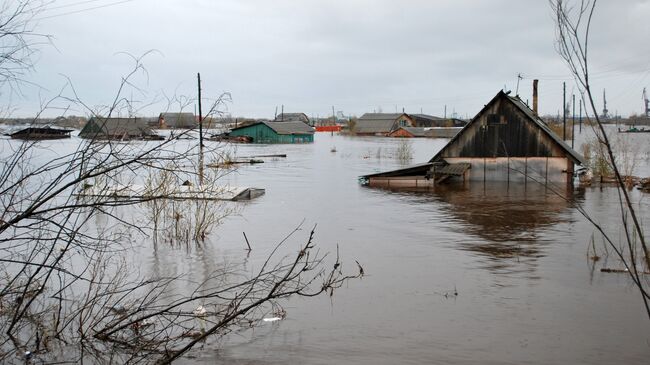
(357, 55)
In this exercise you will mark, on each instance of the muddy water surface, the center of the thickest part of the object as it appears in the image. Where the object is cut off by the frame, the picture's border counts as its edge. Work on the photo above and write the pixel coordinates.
(477, 274)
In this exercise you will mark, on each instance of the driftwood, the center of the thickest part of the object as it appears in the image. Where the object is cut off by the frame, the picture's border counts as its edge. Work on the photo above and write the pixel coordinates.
(284, 155)
(620, 271)
(235, 162)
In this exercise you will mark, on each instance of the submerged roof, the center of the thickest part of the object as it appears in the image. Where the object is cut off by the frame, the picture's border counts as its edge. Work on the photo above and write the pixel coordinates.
(289, 117)
(41, 130)
(116, 127)
(530, 116)
(377, 122)
(415, 131)
(294, 127)
(177, 119)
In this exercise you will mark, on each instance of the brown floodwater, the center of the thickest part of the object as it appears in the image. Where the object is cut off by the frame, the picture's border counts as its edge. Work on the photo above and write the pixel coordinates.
(516, 255)
(463, 274)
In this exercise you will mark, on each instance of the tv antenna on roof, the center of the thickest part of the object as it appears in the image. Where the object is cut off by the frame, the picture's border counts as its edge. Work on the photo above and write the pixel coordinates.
(519, 77)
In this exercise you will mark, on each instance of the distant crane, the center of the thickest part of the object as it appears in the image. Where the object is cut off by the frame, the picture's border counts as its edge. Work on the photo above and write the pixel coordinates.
(646, 102)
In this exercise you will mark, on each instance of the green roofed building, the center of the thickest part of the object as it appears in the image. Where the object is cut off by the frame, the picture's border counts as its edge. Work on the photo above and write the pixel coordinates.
(276, 132)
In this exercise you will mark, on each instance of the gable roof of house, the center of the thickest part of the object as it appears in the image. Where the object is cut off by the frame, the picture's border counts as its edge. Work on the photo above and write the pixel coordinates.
(289, 117)
(176, 119)
(516, 101)
(41, 130)
(415, 131)
(116, 127)
(377, 122)
(294, 127)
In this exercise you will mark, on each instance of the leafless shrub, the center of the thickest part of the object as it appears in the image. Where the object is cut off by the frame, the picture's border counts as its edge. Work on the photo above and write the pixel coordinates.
(404, 151)
(70, 290)
(573, 22)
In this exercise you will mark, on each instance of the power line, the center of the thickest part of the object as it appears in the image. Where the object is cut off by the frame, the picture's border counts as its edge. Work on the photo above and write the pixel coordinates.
(85, 9)
(50, 8)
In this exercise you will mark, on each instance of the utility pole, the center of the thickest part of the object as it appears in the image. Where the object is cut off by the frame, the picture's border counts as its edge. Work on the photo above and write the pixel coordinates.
(198, 76)
(573, 121)
(282, 114)
(564, 111)
(333, 116)
(580, 119)
(445, 111)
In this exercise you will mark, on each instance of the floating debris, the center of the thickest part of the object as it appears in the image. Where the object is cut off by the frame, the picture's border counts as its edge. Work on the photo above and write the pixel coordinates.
(200, 311)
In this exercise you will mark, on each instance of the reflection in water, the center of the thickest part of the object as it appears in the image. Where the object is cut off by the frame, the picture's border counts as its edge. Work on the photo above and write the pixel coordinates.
(505, 224)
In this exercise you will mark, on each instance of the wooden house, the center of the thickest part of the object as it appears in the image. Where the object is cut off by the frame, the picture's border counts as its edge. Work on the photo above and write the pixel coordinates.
(430, 121)
(505, 141)
(292, 117)
(408, 132)
(33, 133)
(275, 132)
(371, 124)
(100, 128)
(177, 120)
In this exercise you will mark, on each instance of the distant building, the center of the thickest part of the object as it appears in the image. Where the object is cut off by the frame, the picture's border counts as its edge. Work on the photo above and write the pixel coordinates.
(276, 132)
(177, 120)
(117, 129)
(505, 141)
(292, 117)
(425, 120)
(381, 123)
(408, 132)
(33, 133)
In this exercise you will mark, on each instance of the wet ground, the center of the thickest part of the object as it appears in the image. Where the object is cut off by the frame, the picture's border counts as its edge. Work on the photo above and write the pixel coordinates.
(474, 274)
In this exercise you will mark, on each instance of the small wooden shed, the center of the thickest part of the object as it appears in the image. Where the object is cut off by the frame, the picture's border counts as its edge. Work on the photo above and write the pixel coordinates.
(275, 132)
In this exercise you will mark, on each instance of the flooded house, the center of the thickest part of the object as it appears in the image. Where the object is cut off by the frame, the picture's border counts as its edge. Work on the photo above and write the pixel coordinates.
(177, 120)
(118, 129)
(409, 132)
(275, 132)
(382, 124)
(505, 141)
(40, 133)
(292, 117)
(425, 120)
